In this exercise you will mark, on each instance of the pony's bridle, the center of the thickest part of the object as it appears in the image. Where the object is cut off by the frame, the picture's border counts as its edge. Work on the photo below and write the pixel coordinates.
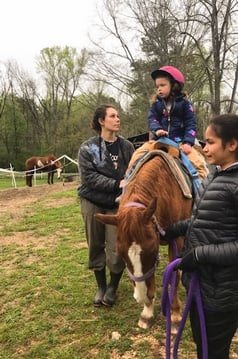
(159, 231)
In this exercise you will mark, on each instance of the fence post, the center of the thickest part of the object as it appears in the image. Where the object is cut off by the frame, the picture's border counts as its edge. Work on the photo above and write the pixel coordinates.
(13, 176)
(34, 175)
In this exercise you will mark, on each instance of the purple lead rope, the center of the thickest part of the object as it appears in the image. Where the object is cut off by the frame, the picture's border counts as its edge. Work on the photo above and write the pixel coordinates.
(169, 279)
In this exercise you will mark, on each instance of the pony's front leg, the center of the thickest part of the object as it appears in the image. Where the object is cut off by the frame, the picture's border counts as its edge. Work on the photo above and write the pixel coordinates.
(147, 316)
(176, 302)
(144, 293)
(29, 180)
(50, 177)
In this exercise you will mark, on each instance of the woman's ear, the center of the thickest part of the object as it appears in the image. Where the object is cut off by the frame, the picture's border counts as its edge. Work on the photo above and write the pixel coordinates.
(233, 145)
(101, 121)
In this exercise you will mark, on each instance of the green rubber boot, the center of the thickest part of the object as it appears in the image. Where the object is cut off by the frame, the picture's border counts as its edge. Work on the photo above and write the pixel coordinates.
(102, 286)
(110, 294)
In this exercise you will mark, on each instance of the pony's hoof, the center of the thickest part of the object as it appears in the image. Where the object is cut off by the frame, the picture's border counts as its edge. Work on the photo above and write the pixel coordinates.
(176, 317)
(174, 330)
(146, 323)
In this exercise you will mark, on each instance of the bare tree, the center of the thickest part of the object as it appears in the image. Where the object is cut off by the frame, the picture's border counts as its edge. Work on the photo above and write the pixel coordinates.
(4, 90)
(199, 37)
(13, 129)
(218, 34)
(26, 99)
(62, 71)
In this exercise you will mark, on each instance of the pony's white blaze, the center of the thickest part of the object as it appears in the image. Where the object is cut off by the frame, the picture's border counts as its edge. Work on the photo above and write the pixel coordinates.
(140, 289)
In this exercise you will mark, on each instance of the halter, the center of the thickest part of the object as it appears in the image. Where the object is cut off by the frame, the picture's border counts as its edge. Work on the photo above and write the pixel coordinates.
(138, 204)
(160, 231)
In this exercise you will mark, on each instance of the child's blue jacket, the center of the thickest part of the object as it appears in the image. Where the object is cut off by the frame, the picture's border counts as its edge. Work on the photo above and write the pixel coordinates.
(180, 121)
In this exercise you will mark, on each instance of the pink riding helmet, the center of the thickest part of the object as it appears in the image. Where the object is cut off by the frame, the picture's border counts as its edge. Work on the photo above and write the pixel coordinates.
(172, 71)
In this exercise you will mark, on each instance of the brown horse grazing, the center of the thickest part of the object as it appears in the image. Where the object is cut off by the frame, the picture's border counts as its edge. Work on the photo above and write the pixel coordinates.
(152, 200)
(42, 164)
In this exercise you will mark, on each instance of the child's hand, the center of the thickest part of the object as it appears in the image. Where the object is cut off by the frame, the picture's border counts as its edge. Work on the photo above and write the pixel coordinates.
(160, 133)
(186, 148)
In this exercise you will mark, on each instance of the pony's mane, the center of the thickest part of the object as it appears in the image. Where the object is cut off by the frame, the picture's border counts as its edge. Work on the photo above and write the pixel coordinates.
(145, 184)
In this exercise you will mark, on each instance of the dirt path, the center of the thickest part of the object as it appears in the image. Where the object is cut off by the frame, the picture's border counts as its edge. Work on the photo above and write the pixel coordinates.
(22, 195)
(15, 202)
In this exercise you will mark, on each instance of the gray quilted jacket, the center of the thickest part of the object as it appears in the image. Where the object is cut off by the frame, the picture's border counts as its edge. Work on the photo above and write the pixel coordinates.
(213, 229)
(99, 179)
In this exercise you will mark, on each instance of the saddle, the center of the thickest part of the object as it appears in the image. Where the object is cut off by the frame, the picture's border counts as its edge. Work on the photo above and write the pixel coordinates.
(151, 146)
(171, 148)
(169, 154)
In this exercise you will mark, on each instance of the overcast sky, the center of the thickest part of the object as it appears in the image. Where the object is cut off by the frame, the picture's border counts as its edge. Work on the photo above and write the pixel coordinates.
(28, 26)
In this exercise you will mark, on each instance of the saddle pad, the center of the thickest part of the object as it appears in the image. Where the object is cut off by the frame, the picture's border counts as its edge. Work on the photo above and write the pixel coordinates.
(172, 164)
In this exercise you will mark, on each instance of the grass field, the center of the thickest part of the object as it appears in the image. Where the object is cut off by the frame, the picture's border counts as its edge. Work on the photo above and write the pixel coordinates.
(46, 290)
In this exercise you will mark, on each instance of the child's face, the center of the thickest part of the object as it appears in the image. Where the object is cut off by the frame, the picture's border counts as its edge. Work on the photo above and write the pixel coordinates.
(215, 153)
(163, 87)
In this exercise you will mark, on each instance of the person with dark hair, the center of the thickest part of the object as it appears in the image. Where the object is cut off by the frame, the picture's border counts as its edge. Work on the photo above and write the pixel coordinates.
(211, 240)
(103, 160)
(172, 115)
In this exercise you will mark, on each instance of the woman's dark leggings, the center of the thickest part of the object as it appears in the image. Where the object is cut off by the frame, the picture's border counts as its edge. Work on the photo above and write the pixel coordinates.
(220, 327)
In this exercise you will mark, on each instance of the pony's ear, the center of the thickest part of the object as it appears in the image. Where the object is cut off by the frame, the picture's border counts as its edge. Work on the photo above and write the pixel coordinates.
(107, 218)
(150, 210)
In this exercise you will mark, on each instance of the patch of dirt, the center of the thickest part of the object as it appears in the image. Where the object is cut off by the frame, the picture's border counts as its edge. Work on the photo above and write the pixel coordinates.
(22, 195)
(15, 202)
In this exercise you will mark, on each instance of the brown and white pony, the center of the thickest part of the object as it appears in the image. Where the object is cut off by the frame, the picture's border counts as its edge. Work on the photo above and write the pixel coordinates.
(152, 200)
(42, 164)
